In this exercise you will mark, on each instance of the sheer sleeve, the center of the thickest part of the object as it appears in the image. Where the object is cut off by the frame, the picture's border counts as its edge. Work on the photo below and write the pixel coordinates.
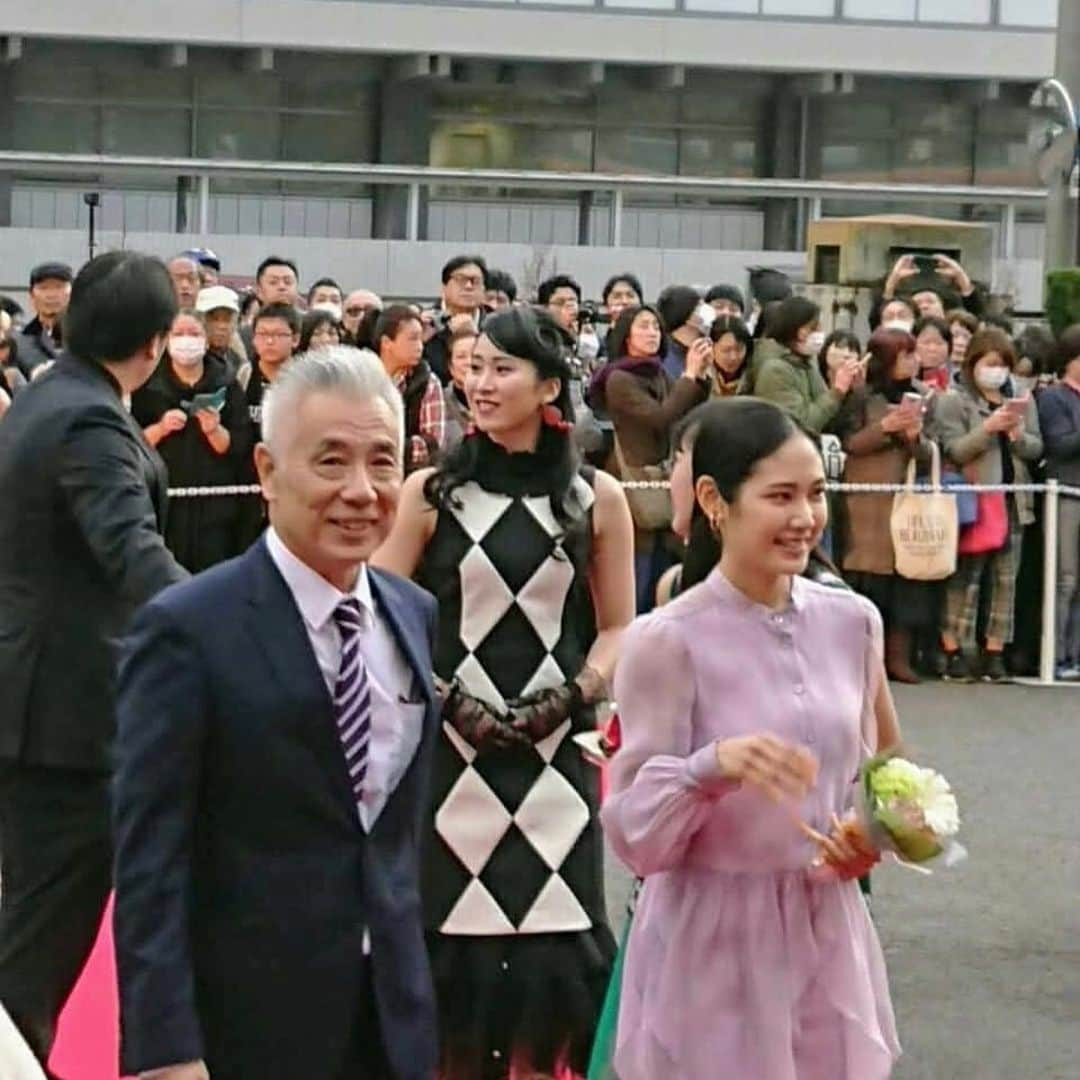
(662, 787)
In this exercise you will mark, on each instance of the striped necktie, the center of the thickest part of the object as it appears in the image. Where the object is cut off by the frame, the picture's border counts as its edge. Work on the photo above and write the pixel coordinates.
(352, 696)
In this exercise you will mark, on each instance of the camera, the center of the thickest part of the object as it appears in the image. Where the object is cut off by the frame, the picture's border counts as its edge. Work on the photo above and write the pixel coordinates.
(92, 198)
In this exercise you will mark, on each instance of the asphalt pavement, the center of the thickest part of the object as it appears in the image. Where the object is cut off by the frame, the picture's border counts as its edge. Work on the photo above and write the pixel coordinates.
(984, 959)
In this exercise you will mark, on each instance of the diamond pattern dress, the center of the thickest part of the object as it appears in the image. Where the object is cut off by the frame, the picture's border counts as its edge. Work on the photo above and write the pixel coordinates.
(513, 869)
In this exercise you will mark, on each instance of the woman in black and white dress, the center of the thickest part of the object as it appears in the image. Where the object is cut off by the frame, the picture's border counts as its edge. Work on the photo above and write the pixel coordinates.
(530, 557)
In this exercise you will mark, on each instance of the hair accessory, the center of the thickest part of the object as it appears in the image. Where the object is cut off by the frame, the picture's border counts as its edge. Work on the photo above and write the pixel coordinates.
(553, 418)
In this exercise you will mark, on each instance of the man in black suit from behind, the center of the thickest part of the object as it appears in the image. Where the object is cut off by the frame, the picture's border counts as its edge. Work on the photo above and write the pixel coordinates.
(82, 507)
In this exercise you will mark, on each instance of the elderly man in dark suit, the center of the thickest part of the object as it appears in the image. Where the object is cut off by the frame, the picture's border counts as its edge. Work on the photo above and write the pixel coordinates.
(82, 505)
(276, 724)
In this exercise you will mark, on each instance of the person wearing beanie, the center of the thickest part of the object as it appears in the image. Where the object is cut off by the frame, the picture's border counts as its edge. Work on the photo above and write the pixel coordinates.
(42, 338)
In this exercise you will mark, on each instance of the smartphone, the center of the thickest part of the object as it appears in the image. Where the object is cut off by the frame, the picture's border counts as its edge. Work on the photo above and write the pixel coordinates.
(926, 264)
(913, 399)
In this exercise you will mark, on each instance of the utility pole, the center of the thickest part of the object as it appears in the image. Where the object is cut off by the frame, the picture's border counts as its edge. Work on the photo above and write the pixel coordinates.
(1062, 220)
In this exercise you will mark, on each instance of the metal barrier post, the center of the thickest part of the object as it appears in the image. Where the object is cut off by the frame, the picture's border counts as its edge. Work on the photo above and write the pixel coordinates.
(1047, 658)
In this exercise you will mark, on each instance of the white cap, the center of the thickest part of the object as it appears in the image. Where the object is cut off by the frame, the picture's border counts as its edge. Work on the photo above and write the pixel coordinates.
(216, 296)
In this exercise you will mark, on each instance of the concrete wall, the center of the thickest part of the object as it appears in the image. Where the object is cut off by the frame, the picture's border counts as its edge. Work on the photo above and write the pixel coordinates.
(577, 34)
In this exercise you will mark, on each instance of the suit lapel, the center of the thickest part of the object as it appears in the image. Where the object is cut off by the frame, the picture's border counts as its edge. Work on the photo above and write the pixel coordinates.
(275, 623)
(409, 634)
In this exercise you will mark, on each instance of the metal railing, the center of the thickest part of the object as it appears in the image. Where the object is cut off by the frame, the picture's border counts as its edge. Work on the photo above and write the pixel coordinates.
(618, 185)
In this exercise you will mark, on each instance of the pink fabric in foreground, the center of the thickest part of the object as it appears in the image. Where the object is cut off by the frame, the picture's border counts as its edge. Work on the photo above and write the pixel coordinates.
(88, 1036)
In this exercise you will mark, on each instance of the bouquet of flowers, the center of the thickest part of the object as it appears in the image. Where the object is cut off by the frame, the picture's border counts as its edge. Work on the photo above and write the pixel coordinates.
(909, 810)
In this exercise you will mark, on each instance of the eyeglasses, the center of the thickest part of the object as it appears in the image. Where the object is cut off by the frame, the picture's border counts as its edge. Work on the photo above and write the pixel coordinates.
(467, 281)
(355, 311)
(273, 335)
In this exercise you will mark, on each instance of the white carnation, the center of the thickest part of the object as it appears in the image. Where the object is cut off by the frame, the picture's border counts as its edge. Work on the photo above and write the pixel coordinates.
(938, 804)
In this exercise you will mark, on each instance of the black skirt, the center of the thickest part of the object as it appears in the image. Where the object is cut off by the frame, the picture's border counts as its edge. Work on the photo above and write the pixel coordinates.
(904, 604)
(527, 1001)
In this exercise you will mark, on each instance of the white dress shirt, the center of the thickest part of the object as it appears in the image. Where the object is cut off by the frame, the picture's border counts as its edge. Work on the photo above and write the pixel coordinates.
(397, 720)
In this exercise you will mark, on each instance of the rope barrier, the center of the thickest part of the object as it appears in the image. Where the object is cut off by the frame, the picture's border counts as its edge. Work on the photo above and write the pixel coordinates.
(1052, 490)
(641, 485)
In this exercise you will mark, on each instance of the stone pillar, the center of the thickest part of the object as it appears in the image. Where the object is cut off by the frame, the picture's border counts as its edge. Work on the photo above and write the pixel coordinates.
(7, 136)
(403, 138)
(782, 123)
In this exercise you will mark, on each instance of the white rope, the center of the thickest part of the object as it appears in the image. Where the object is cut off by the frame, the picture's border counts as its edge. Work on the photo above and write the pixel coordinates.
(642, 485)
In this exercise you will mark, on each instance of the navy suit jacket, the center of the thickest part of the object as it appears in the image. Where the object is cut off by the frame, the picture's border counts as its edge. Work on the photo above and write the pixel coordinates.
(244, 880)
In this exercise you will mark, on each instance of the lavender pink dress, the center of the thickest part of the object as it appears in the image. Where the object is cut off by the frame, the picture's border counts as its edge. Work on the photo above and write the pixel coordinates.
(742, 962)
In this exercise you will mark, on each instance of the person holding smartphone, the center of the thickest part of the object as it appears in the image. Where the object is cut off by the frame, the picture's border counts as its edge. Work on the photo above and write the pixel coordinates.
(994, 437)
(882, 426)
(194, 413)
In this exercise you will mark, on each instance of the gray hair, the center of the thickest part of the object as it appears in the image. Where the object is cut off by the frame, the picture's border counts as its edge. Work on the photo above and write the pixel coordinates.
(335, 369)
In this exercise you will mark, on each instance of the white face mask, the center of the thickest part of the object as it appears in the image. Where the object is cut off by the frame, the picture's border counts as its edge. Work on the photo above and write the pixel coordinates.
(991, 378)
(588, 346)
(898, 324)
(330, 306)
(815, 343)
(185, 350)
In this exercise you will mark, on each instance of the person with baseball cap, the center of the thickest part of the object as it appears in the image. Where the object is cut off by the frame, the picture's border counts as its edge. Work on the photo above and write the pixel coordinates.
(220, 307)
(42, 338)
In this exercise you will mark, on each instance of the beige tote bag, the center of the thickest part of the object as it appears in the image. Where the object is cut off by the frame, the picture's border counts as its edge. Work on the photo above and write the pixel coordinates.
(925, 527)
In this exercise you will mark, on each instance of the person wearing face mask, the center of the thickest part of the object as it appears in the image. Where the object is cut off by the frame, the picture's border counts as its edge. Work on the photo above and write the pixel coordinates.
(686, 319)
(195, 415)
(785, 369)
(994, 438)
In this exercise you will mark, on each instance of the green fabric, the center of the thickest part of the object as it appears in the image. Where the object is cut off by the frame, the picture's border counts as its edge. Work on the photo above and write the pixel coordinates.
(601, 1064)
(794, 383)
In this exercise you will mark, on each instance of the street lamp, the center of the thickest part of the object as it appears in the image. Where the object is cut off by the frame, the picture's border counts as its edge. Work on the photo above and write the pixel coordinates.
(93, 201)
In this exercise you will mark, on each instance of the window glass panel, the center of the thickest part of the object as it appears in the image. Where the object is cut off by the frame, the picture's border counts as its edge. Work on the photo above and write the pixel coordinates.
(821, 8)
(35, 79)
(636, 150)
(932, 160)
(666, 4)
(326, 138)
(145, 86)
(236, 133)
(616, 105)
(511, 146)
(898, 10)
(1002, 155)
(62, 129)
(237, 88)
(850, 160)
(1029, 12)
(717, 153)
(743, 7)
(153, 131)
(954, 11)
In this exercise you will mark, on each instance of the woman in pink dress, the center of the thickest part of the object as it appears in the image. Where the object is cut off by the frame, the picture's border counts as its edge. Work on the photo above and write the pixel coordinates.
(747, 705)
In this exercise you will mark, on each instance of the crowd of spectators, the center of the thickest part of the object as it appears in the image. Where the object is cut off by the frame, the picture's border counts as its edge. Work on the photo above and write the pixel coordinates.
(1000, 406)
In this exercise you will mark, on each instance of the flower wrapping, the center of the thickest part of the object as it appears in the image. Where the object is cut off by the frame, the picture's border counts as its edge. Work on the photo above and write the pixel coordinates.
(909, 810)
